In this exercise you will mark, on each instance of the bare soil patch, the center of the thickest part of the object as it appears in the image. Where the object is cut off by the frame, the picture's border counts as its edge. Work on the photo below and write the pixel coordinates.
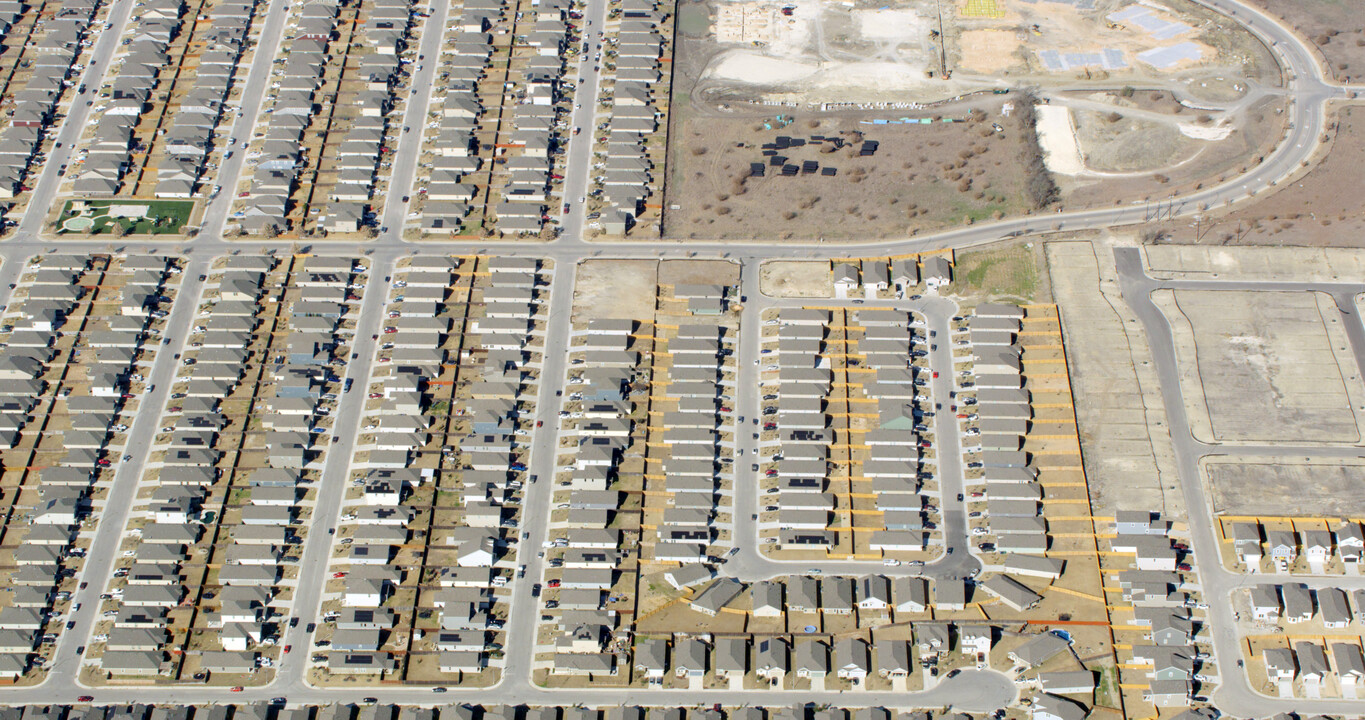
(921, 176)
(615, 289)
(988, 51)
(1285, 486)
(708, 272)
(797, 278)
(1266, 368)
(1112, 143)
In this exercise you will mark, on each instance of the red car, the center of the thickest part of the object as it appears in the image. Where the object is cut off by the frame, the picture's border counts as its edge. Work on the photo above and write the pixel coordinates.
(85, 698)
(935, 374)
(552, 583)
(339, 575)
(239, 688)
(288, 648)
(376, 396)
(539, 423)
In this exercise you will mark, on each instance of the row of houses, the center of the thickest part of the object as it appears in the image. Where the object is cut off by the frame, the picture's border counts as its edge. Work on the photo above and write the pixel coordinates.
(129, 93)
(1305, 663)
(56, 298)
(200, 117)
(604, 384)
(384, 28)
(1168, 659)
(459, 111)
(53, 56)
(464, 711)
(188, 487)
(798, 411)
(623, 174)
(771, 658)
(1010, 497)
(536, 128)
(697, 355)
(469, 552)
(1254, 545)
(900, 276)
(1295, 603)
(299, 74)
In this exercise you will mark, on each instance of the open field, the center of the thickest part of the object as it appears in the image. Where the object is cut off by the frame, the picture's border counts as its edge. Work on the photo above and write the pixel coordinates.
(1285, 486)
(1336, 27)
(1290, 264)
(1321, 208)
(1263, 366)
(1008, 272)
(1205, 162)
(922, 176)
(714, 272)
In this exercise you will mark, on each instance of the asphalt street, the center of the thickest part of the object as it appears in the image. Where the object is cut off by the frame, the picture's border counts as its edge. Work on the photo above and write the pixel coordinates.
(523, 619)
(332, 484)
(414, 123)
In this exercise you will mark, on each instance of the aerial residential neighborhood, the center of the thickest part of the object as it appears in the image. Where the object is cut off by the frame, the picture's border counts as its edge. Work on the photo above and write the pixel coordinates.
(706, 360)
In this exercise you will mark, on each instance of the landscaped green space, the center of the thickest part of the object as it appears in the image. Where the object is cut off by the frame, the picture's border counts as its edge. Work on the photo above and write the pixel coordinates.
(134, 217)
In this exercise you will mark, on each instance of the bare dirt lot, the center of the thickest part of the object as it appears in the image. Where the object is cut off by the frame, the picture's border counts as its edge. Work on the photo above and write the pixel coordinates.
(1280, 486)
(1336, 27)
(708, 272)
(743, 69)
(1119, 144)
(797, 278)
(1263, 366)
(615, 289)
(1321, 209)
(921, 176)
